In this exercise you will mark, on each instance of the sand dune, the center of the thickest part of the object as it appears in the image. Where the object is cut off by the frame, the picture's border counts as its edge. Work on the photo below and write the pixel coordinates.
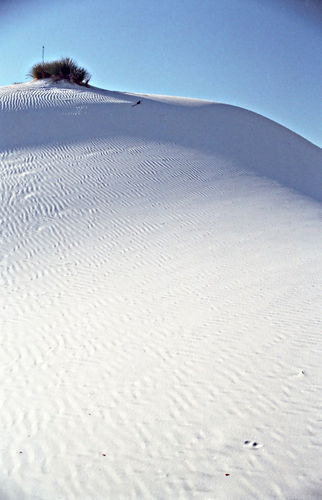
(160, 299)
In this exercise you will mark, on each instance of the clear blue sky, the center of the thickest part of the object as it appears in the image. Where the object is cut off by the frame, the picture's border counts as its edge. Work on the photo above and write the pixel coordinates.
(264, 55)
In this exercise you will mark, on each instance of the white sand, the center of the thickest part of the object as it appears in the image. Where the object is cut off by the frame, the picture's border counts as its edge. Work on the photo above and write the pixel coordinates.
(160, 300)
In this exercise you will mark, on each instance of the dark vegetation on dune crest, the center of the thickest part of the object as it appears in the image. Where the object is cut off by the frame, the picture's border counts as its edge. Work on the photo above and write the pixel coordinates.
(62, 69)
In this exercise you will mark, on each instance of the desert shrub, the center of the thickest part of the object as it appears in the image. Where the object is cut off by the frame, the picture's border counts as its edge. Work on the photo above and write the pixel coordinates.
(62, 69)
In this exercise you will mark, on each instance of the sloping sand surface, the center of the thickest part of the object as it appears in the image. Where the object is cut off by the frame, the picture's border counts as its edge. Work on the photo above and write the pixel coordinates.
(160, 326)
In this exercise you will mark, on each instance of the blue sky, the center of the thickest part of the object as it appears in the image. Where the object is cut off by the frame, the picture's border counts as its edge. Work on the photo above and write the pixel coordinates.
(263, 55)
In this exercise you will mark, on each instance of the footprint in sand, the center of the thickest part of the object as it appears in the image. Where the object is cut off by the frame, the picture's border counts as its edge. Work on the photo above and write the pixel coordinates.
(299, 374)
(253, 444)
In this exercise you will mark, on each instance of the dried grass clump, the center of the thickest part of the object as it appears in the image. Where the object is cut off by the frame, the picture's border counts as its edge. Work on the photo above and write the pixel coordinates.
(62, 69)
